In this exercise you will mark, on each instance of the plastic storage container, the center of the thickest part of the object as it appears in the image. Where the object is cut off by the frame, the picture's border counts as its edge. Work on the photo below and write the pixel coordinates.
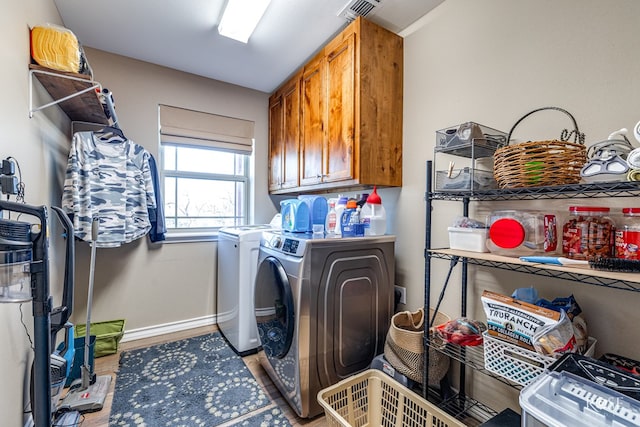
(468, 239)
(295, 216)
(558, 399)
(317, 210)
(521, 232)
(374, 216)
(465, 179)
(627, 240)
(15, 276)
(588, 233)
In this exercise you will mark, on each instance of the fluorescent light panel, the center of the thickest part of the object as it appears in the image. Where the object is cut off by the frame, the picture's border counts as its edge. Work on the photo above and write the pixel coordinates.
(240, 18)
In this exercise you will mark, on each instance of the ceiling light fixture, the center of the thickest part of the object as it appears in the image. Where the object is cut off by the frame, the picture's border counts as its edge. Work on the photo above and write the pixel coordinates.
(240, 18)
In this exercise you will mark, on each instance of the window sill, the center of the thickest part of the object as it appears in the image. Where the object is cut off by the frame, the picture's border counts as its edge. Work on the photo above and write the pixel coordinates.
(190, 237)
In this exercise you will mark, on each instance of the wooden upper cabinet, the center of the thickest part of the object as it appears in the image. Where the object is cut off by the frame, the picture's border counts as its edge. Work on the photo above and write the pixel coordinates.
(276, 141)
(340, 112)
(284, 136)
(350, 123)
(291, 107)
(379, 106)
(312, 123)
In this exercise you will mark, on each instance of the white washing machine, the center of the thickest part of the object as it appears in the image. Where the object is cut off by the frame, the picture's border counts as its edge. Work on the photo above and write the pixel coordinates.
(238, 249)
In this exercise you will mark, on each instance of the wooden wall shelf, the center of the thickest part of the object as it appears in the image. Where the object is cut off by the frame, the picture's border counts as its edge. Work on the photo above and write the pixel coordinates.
(76, 94)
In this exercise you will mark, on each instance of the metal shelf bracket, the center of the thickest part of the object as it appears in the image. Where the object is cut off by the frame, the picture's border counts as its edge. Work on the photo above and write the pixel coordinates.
(32, 109)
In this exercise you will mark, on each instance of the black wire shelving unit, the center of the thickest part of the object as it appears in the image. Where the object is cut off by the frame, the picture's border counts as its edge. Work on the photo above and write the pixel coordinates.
(462, 406)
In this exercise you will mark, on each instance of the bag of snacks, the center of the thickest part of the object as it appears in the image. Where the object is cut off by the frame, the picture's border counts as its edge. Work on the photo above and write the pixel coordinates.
(557, 339)
(462, 331)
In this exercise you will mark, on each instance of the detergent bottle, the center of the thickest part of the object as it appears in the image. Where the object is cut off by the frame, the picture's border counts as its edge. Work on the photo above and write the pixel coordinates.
(350, 218)
(331, 220)
(374, 215)
(340, 207)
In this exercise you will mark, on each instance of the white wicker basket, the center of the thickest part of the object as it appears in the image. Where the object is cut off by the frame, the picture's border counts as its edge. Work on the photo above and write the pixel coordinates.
(518, 364)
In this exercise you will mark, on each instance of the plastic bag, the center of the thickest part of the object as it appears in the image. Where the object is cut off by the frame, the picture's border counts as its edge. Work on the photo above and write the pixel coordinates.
(557, 339)
(466, 222)
(58, 48)
(568, 304)
(462, 331)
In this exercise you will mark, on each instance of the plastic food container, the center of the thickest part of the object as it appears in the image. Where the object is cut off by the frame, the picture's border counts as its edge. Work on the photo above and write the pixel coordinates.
(588, 233)
(468, 239)
(627, 240)
(521, 232)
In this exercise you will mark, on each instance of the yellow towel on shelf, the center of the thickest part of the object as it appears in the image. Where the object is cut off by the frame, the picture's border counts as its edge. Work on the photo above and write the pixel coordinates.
(56, 47)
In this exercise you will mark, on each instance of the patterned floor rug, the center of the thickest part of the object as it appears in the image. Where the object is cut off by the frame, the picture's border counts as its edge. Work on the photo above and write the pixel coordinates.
(197, 382)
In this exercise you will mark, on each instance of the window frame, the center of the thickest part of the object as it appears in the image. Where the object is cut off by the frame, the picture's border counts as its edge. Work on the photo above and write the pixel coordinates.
(186, 128)
(211, 176)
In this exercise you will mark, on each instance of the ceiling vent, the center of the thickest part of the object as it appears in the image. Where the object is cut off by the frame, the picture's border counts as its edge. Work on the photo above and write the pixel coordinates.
(355, 8)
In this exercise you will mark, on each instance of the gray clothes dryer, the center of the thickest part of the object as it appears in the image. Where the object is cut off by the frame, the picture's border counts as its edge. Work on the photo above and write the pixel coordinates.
(323, 308)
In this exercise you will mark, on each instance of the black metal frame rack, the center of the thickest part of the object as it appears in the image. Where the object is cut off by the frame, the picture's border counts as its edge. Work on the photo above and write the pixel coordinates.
(461, 405)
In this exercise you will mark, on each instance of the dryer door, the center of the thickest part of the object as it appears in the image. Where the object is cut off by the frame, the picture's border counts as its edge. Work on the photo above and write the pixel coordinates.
(274, 308)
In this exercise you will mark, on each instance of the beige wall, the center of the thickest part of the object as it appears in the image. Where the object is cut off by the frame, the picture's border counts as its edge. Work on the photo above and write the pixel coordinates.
(38, 145)
(144, 284)
(150, 285)
(492, 61)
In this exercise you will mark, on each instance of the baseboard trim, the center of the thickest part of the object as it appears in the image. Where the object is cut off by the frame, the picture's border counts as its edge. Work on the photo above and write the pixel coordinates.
(167, 328)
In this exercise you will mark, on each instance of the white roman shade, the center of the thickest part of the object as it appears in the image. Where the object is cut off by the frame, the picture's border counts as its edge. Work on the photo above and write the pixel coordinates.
(189, 127)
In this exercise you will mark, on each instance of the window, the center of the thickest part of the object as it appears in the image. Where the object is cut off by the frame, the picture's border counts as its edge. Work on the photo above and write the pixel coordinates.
(205, 170)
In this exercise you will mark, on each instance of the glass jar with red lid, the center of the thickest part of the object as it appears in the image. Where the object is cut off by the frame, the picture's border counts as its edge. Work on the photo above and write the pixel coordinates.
(627, 239)
(588, 233)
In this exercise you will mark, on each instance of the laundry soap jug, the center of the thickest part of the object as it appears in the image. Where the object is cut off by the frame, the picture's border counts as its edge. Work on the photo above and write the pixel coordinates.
(340, 207)
(350, 221)
(374, 216)
(295, 216)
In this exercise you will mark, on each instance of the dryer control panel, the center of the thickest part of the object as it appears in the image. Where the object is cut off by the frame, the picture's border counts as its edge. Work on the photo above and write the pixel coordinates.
(284, 242)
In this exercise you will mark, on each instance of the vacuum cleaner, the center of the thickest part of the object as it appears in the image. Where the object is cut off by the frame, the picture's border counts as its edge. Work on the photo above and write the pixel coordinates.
(24, 254)
(89, 392)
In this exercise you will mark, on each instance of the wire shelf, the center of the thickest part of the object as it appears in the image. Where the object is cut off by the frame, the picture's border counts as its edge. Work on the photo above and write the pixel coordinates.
(615, 280)
(472, 357)
(463, 408)
(572, 191)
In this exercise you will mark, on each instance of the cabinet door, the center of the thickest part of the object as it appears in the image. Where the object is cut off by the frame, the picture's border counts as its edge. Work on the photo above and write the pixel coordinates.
(311, 123)
(276, 141)
(341, 96)
(291, 134)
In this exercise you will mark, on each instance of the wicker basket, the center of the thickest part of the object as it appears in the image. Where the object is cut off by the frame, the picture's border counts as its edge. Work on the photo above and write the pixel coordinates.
(404, 346)
(541, 163)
